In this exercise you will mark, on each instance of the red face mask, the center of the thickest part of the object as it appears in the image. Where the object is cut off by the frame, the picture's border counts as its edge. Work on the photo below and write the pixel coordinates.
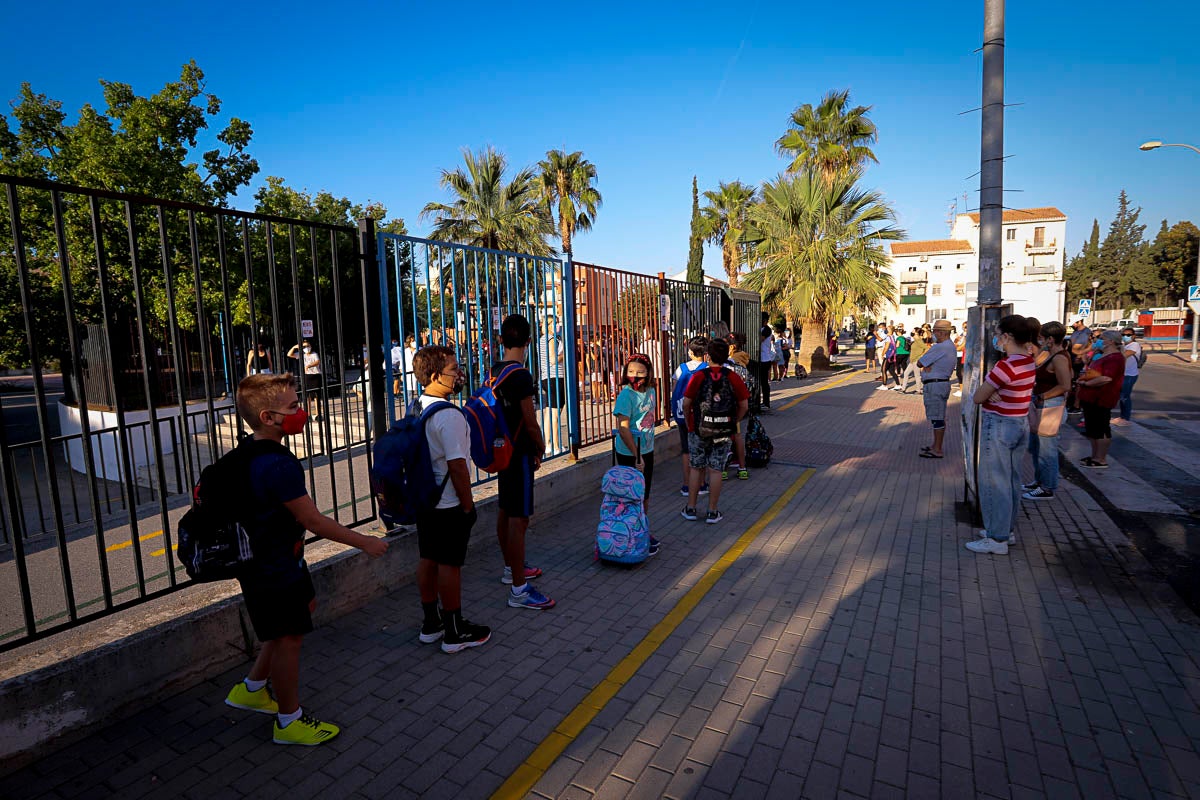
(637, 381)
(293, 424)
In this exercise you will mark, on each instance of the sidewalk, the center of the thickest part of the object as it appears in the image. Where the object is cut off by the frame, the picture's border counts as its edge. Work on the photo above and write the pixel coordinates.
(830, 638)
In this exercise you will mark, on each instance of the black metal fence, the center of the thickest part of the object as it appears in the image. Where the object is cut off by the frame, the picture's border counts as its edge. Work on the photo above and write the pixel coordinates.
(153, 309)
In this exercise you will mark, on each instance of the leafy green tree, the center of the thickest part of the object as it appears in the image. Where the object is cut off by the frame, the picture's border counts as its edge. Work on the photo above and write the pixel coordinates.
(724, 219)
(1174, 253)
(695, 262)
(821, 252)
(1083, 269)
(566, 183)
(831, 139)
(488, 210)
(1125, 270)
(144, 145)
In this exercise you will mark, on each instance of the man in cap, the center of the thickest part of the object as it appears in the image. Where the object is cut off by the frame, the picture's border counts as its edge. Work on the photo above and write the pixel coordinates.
(937, 365)
(1079, 342)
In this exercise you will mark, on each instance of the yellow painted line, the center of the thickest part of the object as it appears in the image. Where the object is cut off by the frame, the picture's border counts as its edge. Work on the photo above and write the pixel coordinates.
(792, 403)
(122, 545)
(549, 749)
(162, 550)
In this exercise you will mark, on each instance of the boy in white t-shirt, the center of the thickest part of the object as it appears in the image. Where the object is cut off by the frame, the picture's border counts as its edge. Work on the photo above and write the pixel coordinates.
(1131, 348)
(443, 532)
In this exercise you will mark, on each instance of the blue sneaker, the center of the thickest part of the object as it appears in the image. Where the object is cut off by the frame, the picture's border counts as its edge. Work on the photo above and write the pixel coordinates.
(704, 489)
(683, 490)
(530, 598)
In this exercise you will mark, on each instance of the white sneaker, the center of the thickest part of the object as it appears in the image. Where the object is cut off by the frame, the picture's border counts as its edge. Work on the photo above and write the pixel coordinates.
(882, 388)
(989, 546)
(958, 393)
(1012, 538)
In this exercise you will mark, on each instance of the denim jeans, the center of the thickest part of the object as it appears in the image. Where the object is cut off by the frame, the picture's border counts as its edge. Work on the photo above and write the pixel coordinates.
(1127, 396)
(1001, 441)
(1044, 451)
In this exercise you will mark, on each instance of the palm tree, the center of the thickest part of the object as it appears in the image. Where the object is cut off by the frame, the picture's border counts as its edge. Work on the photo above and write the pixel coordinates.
(566, 183)
(724, 221)
(487, 211)
(829, 139)
(821, 252)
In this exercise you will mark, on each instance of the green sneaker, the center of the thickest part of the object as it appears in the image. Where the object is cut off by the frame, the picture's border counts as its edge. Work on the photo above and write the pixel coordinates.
(743, 474)
(307, 730)
(261, 701)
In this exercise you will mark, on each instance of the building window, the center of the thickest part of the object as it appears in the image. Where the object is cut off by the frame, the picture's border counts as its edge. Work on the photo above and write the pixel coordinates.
(912, 269)
(1011, 234)
(937, 291)
(912, 312)
(960, 288)
(958, 266)
(1039, 237)
(912, 290)
(937, 266)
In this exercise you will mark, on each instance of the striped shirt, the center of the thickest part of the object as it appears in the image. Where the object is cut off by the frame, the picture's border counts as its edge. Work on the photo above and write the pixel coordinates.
(1013, 379)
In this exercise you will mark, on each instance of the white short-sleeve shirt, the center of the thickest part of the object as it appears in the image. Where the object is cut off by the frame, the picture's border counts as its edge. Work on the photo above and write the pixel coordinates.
(449, 438)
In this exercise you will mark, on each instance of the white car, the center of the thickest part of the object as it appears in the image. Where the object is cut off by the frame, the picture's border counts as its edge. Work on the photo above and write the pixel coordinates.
(1121, 324)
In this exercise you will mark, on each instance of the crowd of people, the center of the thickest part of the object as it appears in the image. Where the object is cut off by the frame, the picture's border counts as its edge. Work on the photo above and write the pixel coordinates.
(894, 352)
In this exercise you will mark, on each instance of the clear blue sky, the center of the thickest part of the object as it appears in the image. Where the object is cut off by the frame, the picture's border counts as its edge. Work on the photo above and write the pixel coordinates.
(371, 101)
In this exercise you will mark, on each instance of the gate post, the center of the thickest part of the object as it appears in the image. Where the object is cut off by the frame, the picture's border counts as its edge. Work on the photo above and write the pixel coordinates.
(375, 311)
(571, 334)
(664, 398)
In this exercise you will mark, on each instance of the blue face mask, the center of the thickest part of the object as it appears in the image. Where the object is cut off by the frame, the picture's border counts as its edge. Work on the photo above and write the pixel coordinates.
(1126, 339)
(1098, 345)
(996, 344)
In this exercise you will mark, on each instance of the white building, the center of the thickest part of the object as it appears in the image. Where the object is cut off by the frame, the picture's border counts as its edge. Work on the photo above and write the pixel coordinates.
(939, 279)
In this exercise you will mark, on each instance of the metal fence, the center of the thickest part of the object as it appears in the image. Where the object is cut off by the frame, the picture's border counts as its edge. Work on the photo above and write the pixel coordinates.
(154, 309)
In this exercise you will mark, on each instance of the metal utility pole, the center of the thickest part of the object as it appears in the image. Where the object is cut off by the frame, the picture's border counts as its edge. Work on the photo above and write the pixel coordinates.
(991, 172)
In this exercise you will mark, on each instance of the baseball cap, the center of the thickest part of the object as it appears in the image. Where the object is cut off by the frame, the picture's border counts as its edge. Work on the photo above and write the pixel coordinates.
(1076, 318)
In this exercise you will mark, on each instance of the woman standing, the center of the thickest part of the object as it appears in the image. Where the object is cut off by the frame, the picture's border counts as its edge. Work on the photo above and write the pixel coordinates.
(785, 345)
(1099, 389)
(1050, 388)
(636, 416)
(259, 362)
(1004, 429)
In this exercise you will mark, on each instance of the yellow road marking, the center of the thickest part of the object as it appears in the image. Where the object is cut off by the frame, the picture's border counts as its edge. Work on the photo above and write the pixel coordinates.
(122, 545)
(797, 400)
(549, 749)
(162, 550)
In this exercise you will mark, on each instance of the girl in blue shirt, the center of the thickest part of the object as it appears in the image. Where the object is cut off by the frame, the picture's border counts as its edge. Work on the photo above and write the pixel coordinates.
(636, 413)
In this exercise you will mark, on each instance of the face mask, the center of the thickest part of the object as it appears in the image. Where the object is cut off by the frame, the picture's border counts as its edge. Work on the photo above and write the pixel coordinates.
(1126, 339)
(1098, 345)
(637, 382)
(996, 344)
(292, 424)
(307, 349)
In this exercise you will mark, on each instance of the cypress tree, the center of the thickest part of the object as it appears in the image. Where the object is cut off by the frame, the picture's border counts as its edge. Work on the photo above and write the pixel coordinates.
(695, 262)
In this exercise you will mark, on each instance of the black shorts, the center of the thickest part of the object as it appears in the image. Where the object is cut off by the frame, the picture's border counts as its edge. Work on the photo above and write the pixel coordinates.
(515, 487)
(554, 392)
(1096, 421)
(683, 437)
(280, 611)
(443, 534)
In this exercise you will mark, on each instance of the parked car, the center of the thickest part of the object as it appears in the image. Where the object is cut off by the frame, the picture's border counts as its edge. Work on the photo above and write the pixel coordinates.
(1127, 323)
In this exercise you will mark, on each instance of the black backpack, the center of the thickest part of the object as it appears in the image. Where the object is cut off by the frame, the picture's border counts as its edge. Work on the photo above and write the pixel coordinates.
(718, 407)
(759, 448)
(213, 545)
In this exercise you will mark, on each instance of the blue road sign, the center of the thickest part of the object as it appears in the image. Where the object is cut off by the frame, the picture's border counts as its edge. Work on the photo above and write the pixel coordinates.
(1193, 293)
(1085, 306)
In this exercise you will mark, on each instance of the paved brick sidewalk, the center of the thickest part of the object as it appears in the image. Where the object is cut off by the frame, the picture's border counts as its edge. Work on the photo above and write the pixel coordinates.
(855, 649)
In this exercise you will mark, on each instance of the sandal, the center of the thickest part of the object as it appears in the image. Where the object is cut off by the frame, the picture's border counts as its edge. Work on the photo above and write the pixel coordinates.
(931, 454)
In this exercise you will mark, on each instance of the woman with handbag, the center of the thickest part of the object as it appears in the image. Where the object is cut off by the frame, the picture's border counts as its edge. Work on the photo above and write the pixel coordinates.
(1053, 382)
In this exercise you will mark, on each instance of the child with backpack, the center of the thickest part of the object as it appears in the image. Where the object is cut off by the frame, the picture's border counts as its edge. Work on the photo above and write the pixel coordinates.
(276, 584)
(739, 362)
(714, 402)
(515, 388)
(697, 350)
(636, 416)
(444, 527)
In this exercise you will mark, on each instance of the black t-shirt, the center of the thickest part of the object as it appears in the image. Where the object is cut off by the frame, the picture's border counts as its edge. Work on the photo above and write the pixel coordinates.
(276, 538)
(516, 387)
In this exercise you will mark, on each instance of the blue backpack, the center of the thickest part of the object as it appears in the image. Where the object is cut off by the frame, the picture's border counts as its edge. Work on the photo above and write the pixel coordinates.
(402, 472)
(623, 536)
(491, 441)
(685, 375)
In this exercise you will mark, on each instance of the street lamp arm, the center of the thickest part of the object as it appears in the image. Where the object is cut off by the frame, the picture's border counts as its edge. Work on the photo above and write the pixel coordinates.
(1156, 145)
(1191, 147)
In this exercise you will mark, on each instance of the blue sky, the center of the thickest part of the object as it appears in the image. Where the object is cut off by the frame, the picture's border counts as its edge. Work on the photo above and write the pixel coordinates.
(371, 101)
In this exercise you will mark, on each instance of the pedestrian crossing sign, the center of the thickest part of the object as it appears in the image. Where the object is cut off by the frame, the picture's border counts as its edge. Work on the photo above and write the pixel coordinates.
(1085, 306)
(1194, 298)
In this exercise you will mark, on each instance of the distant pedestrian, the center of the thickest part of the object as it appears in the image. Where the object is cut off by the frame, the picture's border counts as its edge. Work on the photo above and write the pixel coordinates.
(937, 365)
(636, 414)
(1079, 342)
(780, 366)
(785, 346)
(514, 485)
(1099, 392)
(713, 403)
(259, 362)
(916, 349)
(276, 585)
(739, 362)
(444, 531)
(1004, 432)
(960, 347)
(1134, 359)
(903, 349)
(697, 351)
(766, 360)
(1050, 388)
(869, 345)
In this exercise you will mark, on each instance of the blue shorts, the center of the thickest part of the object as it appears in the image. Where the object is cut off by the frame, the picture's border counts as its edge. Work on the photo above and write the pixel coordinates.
(515, 487)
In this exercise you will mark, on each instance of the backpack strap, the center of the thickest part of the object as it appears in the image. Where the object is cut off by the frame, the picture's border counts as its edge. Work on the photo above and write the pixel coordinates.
(427, 414)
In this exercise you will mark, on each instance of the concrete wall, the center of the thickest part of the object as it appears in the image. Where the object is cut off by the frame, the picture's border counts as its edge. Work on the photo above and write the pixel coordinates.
(102, 672)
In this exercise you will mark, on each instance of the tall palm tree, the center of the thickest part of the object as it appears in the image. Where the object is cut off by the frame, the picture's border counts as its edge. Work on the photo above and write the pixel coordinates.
(723, 221)
(821, 253)
(566, 187)
(488, 211)
(831, 138)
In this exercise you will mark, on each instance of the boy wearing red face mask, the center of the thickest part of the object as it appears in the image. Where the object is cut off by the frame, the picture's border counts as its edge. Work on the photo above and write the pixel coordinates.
(276, 585)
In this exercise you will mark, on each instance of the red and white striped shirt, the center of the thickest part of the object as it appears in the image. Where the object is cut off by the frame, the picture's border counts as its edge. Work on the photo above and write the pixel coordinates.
(1013, 379)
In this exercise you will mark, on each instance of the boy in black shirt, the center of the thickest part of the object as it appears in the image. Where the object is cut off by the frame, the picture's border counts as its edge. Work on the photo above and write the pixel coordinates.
(276, 585)
(515, 484)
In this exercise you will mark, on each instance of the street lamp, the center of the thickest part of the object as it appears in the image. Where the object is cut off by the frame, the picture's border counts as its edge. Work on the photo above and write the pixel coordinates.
(1154, 145)
(1095, 286)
